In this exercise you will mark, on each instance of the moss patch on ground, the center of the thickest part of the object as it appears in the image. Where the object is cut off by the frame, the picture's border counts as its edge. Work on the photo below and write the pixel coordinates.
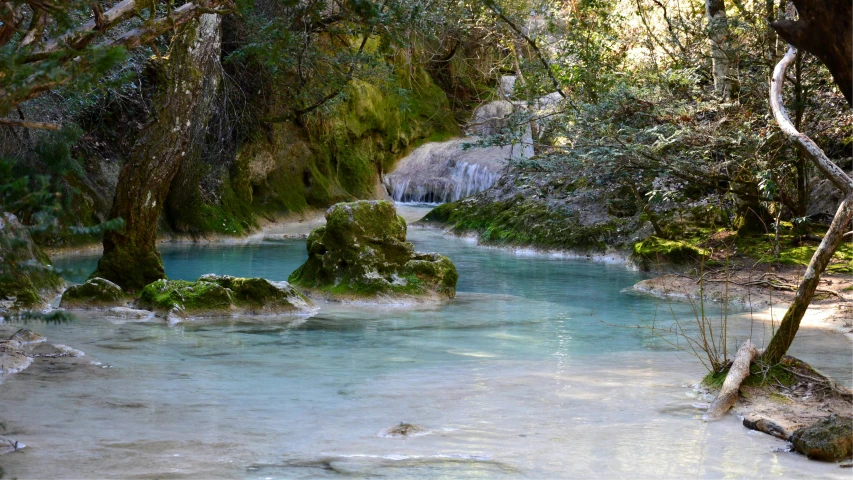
(716, 243)
(524, 222)
(760, 375)
(655, 249)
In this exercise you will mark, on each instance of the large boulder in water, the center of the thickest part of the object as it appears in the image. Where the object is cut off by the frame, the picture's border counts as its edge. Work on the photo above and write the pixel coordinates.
(96, 292)
(830, 439)
(362, 252)
(213, 295)
(27, 279)
(188, 297)
(260, 295)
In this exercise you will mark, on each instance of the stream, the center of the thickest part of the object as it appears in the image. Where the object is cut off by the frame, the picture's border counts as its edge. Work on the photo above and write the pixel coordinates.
(528, 373)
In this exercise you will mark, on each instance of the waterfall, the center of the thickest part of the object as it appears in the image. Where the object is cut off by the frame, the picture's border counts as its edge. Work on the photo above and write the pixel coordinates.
(441, 172)
(446, 171)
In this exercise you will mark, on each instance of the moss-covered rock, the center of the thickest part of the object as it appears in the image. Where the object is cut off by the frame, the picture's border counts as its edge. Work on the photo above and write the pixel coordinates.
(830, 439)
(96, 292)
(187, 297)
(522, 221)
(213, 295)
(655, 249)
(259, 295)
(362, 252)
(27, 278)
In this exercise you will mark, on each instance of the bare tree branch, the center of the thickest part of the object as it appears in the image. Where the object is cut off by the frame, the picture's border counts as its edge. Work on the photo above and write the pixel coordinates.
(530, 42)
(9, 122)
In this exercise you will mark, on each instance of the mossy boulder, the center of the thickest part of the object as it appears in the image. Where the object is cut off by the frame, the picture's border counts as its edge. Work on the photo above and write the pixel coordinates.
(260, 295)
(96, 292)
(362, 252)
(656, 249)
(212, 295)
(830, 439)
(187, 297)
(27, 278)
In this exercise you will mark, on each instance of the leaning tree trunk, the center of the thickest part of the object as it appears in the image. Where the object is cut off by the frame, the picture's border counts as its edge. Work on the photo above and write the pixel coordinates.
(791, 321)
(824, 29)
(718, 31)
(130, 256)
(731, 386)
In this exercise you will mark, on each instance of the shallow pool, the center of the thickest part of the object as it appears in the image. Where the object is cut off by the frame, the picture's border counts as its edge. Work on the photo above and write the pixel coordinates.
(535, 370)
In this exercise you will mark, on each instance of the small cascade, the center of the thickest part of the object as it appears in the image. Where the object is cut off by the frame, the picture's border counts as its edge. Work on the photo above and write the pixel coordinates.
(445, 171)
(448, 171)
(464, 179)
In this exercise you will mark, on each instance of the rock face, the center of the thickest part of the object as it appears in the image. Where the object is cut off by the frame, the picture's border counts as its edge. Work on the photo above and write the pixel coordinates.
(96, 292)
(13, 358)
(830, 439)
(213, 295)
(362, 252)
(446, 171)
(26, 276)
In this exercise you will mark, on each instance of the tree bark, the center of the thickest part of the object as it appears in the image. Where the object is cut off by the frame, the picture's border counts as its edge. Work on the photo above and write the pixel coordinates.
(824, 29)
(783, 337)
(731, 387)
(718, 31)
(130, 256)
(767, 426)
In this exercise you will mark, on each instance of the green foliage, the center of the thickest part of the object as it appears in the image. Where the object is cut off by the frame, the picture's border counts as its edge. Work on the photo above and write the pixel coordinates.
(22, 78)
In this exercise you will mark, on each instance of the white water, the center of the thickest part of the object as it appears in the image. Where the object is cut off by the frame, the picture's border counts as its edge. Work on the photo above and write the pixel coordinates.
(516, 378)
(441, 172)
(445, 171)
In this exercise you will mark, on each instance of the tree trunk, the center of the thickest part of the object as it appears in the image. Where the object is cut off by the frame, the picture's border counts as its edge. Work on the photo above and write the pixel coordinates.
(718, 31)
(130, 256)
(731, 387)
(791, 321)
(824, 29)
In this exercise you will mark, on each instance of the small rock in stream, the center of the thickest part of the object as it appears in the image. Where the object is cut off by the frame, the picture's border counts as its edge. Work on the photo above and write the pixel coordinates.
(27, 337)
(403, 429)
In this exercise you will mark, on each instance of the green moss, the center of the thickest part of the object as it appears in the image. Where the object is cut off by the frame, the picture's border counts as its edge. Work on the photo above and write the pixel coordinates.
(675, 251)
(791, 252)
(338, 155)
(362, 251)
(94, 292)
(520, 221)
(185, 296)
(129, 267)
(26, 275)
(259, 294)
(759, 376)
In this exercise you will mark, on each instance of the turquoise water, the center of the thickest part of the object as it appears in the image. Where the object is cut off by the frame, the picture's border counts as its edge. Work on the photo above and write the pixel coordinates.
(529, 373)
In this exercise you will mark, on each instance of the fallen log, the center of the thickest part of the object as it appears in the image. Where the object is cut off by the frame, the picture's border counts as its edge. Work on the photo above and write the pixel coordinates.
(767, 426)
(731, 386)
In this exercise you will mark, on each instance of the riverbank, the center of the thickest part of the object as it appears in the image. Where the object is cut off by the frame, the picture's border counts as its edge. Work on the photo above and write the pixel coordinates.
(765, 290)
